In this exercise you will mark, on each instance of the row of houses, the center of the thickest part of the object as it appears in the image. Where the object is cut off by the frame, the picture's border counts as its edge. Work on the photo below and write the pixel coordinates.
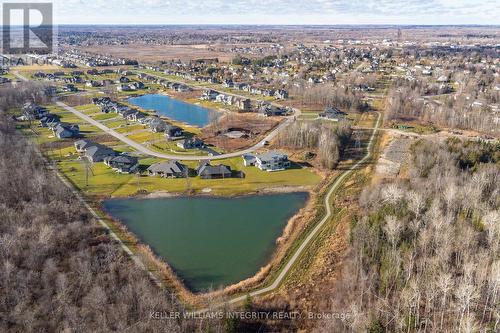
(109, 106)
(243, 104)
(156, 124)
(175, 169)
(268, 92)
(96, 152)
(165, 83)
(191, 76)
(228, 83)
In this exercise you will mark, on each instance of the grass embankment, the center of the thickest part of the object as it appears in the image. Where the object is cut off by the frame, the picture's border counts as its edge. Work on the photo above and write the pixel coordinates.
(341, 210)
(343, 207)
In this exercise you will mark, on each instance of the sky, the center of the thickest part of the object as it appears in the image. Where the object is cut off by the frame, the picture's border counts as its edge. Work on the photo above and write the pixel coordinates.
(328, 12)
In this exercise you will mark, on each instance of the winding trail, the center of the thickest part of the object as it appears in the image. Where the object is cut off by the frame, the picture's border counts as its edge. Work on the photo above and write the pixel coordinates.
(302, 247)
(310, 237)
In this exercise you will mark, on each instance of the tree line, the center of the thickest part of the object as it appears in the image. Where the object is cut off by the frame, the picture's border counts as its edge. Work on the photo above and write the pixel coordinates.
(327, 139)
(60, 271)
(425, 251)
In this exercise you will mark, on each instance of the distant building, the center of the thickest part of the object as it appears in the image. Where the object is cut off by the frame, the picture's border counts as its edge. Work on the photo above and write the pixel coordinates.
(244, 104)
(332, 113)
(172, 131)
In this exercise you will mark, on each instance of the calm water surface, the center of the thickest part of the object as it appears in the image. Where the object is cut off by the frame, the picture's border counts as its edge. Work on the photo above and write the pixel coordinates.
(175, 109)
(210, 242)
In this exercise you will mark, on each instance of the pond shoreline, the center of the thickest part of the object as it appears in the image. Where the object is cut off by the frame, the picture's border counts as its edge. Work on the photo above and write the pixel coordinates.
(173, 278)
(287, 237)
(166, 194)
(171, 111)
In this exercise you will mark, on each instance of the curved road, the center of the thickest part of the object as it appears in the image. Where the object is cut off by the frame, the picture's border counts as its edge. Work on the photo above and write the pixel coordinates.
(153, 153)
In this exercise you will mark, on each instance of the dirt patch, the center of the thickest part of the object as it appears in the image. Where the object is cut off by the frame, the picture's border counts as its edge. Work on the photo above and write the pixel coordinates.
(105, 138)
(76, 100)
(252, 126)
(394, 155)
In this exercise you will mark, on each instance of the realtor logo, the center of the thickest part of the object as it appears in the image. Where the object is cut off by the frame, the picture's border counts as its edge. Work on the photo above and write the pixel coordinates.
(27, 28)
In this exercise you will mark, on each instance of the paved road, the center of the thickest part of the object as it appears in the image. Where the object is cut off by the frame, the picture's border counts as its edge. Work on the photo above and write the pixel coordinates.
(153, 153)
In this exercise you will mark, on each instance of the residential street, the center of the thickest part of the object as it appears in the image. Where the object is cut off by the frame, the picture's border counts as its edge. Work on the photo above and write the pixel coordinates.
(153, 153)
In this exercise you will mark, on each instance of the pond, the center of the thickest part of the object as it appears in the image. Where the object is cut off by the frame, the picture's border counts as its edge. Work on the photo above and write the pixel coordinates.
(209, 242)
(175, 109)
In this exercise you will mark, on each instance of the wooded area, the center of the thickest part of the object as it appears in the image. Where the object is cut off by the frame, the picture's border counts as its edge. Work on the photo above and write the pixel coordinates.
(329, 140)
(424, 252)
(59, 269)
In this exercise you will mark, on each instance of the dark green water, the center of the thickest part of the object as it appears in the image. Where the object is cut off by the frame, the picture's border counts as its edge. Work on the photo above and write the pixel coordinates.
(210, 242)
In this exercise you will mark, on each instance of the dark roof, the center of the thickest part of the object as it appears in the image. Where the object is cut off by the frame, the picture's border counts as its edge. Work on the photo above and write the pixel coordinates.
(208, 169)
(173, 166)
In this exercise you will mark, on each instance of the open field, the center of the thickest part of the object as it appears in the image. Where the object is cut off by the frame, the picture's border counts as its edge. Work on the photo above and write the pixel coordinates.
(153, 53)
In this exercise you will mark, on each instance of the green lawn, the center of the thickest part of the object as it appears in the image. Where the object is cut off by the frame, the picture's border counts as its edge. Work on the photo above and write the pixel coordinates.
(104, 116)
(105, 182)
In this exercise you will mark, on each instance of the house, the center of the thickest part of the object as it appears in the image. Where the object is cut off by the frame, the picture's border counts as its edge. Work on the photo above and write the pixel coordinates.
(332, 113)
(157, 125)
(207, 171)
(172, 131)
(98, 152)
(281, 94)
(93, 83)
(124, 87)
(273, 111)
(249, 160)
(82, 145)
(64, 130)
(138, 85)
(48, 120)
(244, 105)
(272, 161)
(168, 169)
(443, 79)
(33, 111)
(122, 163)
(190, 143)
(136, 115)
(209, 95)
(69, 88)
(101, 101)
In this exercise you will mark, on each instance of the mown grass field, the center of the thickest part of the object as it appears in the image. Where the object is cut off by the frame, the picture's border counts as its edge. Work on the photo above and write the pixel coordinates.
(102, 181)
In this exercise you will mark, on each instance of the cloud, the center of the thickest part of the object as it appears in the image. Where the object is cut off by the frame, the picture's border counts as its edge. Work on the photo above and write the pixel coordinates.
(279, 11)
